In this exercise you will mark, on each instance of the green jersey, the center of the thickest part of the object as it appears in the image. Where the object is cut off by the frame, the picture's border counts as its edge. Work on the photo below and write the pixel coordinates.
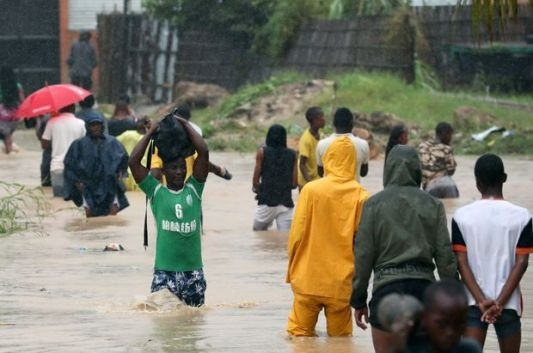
(178, 218)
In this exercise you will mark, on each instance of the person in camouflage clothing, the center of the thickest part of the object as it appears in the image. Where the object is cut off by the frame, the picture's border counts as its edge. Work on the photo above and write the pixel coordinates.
(438, 164)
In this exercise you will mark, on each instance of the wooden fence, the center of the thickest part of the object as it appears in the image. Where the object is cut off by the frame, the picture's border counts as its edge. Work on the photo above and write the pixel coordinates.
(154, 60)
(147, 68)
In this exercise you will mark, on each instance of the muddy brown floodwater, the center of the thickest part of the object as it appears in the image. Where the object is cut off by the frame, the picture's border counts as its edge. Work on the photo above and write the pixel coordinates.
(60, 292)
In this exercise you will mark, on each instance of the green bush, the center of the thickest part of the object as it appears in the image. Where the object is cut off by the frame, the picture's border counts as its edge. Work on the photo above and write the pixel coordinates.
(21, 207)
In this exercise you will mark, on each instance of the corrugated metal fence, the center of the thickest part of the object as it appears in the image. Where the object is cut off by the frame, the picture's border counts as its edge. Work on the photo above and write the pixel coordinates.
(155, 61)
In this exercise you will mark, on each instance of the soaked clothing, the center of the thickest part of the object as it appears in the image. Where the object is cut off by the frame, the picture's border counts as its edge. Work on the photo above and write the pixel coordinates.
(266, 215)
(443, 188)
(188, 286)
(320, 247)
(129, 139)
(178, 221)
(403, 231)
(465, 345)
(85, 113)
(119, 126)
(492, 232)
(413, 287)
(305, 310)
(307, 148)
(437, 161)
(508, 324)
(98, 164)
(276, 177)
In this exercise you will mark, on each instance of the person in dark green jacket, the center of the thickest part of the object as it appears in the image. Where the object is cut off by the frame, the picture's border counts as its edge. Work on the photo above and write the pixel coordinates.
(402, 236)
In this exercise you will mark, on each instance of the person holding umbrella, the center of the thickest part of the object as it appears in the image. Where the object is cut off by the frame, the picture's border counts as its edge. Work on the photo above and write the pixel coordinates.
(61, 130)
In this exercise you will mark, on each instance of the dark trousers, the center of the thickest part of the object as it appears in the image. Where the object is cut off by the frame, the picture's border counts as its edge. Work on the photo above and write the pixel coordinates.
(45, 167)
(82, 81)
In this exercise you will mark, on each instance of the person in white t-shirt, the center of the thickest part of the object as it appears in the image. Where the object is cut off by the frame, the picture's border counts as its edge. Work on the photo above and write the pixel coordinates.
(61, 130)
(343, 121)
(492, 239)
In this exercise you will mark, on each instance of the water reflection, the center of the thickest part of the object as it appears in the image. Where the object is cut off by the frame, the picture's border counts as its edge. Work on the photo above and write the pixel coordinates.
(89, 299)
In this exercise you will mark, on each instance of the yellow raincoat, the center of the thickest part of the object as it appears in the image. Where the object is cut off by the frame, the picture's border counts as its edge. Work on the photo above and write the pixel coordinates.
(320, 248)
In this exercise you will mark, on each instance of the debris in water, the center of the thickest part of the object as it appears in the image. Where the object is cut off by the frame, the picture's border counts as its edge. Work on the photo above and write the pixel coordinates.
(113, 247)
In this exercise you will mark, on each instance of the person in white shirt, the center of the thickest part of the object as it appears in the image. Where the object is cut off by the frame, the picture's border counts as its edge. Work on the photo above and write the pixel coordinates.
(61, 130)
(343, 121)
(492, 239)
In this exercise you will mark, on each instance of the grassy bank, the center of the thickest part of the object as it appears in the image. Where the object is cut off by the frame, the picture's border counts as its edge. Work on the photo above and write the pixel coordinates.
(372, 92)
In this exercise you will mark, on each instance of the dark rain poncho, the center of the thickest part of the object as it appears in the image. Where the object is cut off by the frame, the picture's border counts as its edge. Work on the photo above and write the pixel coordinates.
(403, 232)
(99, 164)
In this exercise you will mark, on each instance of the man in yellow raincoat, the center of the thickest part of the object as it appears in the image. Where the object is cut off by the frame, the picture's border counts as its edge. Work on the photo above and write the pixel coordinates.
(321, 257)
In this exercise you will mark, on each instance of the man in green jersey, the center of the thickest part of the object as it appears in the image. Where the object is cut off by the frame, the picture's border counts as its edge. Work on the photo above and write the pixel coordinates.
(177, 211)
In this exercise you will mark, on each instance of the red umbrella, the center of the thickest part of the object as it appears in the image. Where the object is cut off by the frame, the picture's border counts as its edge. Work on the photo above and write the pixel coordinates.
(50, 99)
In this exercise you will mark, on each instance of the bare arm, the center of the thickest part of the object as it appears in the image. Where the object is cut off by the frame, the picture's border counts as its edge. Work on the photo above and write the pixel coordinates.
(156, 173)
(519, 268)
(201, 163)
(470, 281)
(139, 171)
(451, 164)
(303, 162)
(442, 250)
(45, 144)
(320, 170)
(295, 174)
(256, 182)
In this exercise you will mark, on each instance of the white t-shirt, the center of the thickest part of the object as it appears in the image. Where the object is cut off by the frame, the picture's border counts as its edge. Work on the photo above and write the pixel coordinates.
(361, 150)
(196, 128)
(492, 232)
(62, 130)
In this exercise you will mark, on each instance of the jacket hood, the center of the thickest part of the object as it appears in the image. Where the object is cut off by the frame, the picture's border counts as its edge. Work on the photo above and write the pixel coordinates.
(339, 159)
(402, 167)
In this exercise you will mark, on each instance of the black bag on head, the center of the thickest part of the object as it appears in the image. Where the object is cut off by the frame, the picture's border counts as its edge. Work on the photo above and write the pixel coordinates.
(171, 140)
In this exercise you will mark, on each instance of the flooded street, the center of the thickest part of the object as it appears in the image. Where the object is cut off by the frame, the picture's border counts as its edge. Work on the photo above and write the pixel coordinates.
(59, 292)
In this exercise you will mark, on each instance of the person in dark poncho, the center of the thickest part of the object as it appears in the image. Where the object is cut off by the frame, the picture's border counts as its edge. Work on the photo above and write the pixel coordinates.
(94, 167)
(275, 175)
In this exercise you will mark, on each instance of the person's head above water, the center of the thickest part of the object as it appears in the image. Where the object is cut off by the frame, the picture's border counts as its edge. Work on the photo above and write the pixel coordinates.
(315, 117)
(276, 136)
(122, 110)
(88, 102)
(85, 36)
(175, 171)
(142, 125)
(399, 135)
(402, 167)
(95, 125)
(184, 111)
(343, 121)
(444, 132)
(68, 109)
(490, 175)
(445, 314)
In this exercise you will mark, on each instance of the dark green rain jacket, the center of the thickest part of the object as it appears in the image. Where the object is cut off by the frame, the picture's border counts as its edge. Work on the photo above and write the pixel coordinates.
(403, 232)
